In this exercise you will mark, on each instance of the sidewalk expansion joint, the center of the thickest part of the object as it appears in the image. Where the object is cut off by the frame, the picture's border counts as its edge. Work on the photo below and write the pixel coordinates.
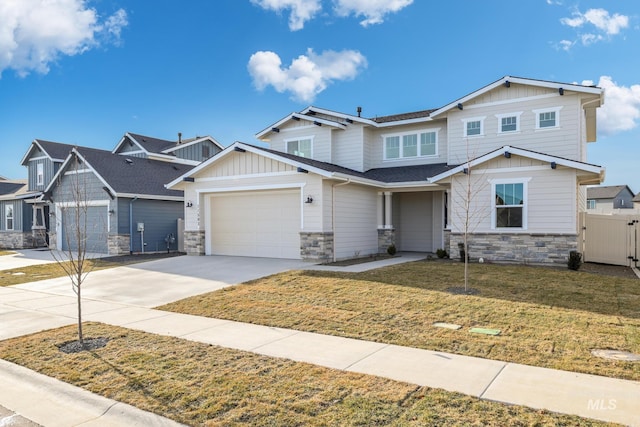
(492, 381)
(255, 349)
(346, 368)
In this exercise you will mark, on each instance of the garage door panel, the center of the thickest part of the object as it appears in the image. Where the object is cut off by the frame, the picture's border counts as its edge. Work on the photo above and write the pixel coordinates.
(260, 224)
(96, 233)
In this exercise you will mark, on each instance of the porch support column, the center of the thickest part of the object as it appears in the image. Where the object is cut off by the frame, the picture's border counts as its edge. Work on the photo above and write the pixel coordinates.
(388, 223)
(380, 210)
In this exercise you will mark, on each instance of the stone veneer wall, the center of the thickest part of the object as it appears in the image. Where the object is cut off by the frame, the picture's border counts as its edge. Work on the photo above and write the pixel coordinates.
(517, 248)
(194, 242)
(316, 246)
(386, 238)
(16, 240)
(446, 234)
(118, 244)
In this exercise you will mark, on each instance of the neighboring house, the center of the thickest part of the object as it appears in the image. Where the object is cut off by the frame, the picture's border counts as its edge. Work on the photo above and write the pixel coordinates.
(608, 198)
(43, 160)
(15, 232)
(335, 185)
(636, 201)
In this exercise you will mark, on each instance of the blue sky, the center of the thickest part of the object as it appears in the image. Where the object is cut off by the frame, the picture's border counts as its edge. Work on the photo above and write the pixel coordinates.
(86, 72)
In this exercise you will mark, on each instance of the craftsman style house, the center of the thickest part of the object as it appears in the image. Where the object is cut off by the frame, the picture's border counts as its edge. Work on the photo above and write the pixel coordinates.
(506, 163)
(124, 190)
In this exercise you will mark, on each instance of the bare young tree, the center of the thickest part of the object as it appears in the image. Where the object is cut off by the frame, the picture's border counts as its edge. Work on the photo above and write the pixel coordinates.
(73, 222)
(471, 207)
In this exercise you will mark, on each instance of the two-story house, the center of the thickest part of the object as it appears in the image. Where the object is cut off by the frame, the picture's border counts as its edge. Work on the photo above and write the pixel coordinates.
(506, 163)
(606, 199)
(132, 175)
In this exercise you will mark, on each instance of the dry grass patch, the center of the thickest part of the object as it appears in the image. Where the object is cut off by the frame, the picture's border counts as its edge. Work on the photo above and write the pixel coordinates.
(548, 317)
(199, 384)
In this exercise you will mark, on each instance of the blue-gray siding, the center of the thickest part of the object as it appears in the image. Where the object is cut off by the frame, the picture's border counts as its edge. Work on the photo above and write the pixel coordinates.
(160, 218)
(198, 152)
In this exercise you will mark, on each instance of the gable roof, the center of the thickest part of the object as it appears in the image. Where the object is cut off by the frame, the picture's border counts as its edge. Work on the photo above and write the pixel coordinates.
(11, 189)
(594, 173)
(431, 114)
(128, 176)
(637, 198)
(418, 174)
(55, 151)
(606, 192)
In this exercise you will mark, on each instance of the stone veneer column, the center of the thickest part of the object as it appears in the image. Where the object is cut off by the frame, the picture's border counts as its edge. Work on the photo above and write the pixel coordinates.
(118, 244)
(316, 246)
(194, 242)
(386, 238)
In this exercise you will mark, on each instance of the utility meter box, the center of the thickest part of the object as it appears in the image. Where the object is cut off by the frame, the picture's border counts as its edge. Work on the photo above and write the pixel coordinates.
(141, 226)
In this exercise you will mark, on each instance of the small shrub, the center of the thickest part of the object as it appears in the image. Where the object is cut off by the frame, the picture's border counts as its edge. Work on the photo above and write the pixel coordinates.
(575, 260)
(391, 250)
(442, 253)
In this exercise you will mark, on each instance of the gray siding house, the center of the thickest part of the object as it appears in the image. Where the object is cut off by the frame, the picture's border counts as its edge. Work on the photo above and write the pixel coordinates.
(608, 198)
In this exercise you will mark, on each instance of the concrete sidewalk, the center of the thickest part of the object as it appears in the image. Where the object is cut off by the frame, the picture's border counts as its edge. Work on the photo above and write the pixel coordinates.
(26, 308)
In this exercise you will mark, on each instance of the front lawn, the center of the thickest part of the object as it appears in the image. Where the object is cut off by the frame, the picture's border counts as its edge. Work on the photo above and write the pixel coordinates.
(549, 317)
(199, 384)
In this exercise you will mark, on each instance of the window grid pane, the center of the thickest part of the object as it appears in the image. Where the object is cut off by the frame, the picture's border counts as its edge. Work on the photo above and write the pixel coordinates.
(392, 147)
(548, 119)
(428, 144)
(473, 128)
(509, 205)
(410, 145)
(509, 124)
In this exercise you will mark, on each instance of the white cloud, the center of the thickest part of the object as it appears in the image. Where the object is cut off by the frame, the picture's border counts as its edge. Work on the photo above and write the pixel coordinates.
(565, 45)
(600, 24)
(621, 109)
(308, 75)
(301, 10)
(373, 11)
(35, 33)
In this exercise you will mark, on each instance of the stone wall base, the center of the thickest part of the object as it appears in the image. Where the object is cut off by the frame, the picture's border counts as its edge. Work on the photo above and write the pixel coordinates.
(194, 242)
(386, 238)
(16, 240)
(118, 244)
(316, 246)
(517, 248)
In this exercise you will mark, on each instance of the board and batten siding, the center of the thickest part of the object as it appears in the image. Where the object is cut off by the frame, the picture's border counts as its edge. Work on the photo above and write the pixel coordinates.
(355, 229)
(20, 223)
(375, 141)
(160, 218)
(563, 141)
(49, 169)
(252, 172)
(197, 151)
(550, 202)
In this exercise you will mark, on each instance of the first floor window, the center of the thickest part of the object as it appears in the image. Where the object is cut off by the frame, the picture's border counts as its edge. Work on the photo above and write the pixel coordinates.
(300, 147)
(8, 216)
(509, 205)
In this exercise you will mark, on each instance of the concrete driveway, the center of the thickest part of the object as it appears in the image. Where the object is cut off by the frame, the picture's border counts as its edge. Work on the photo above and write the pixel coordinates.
(36, 306)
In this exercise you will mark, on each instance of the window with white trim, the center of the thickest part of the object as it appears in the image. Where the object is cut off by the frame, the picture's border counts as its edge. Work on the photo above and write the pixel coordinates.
(473, 126)
(547, 118)
(413, 144)
(509, 122)
(591, 204)
(509, 204)
(300, 147)
(39, 174)
(8, 217)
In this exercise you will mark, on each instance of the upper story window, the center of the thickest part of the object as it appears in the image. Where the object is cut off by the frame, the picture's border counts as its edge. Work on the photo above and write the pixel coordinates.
(300, 147)
(39, 174)
(8, 217)
(591, 204)
(547, 118)
(509, 122)
(473, 126)
(413, 144)
(509, 204)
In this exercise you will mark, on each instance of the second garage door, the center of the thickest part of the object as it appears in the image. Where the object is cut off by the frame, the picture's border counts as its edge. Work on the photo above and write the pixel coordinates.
(93, 230)
(257, 224)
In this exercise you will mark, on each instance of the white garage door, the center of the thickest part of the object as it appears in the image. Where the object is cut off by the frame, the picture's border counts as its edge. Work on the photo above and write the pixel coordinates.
(258, 224)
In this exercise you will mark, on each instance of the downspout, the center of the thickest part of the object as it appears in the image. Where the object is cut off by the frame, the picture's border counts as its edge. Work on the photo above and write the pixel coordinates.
(333, 213)
(131, 225)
